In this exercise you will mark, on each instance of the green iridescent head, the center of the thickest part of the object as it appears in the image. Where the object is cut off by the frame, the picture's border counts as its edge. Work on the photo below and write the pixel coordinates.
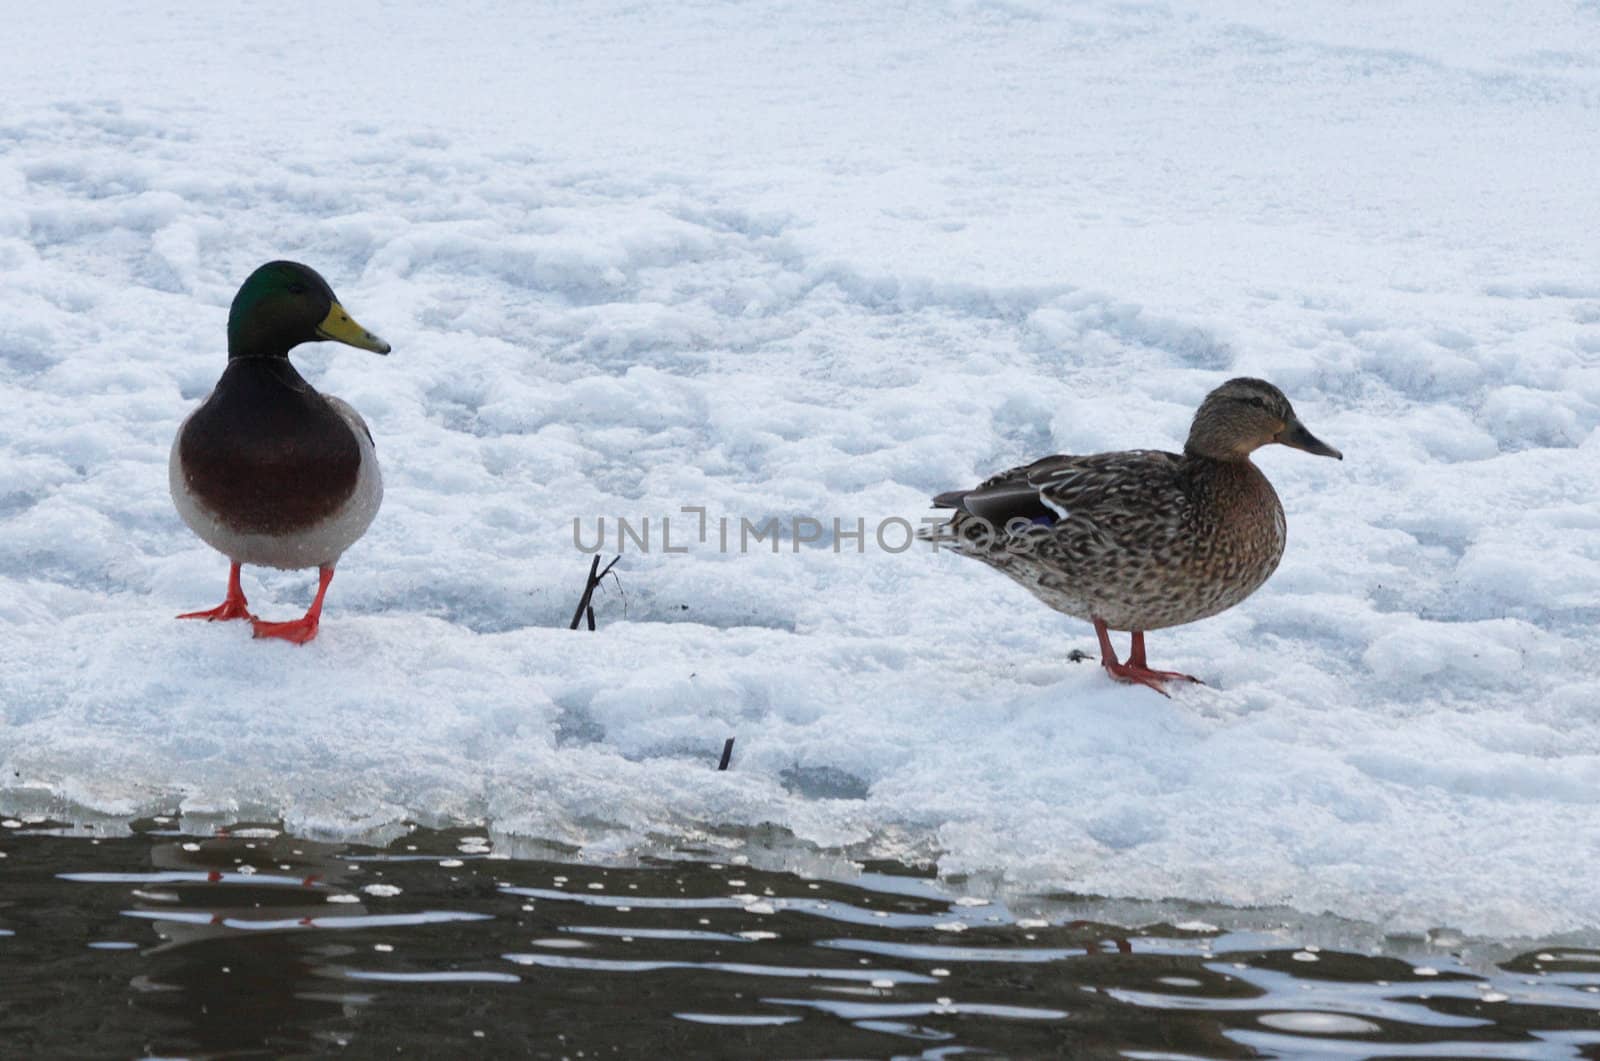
(284, 304)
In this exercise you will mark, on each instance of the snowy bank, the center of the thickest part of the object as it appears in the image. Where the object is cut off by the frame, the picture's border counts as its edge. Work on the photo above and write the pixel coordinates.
(806, 261)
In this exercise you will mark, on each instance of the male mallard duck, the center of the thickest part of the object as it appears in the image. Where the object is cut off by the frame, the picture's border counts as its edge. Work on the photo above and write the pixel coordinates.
(1143, 539)
(268, 471)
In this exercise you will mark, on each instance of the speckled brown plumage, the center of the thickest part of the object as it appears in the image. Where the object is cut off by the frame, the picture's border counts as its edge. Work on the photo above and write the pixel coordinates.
(1149, 539)
(1143, 539)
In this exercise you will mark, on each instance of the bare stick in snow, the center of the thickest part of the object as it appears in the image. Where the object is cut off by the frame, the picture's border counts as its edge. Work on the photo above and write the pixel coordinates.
(727, 754)
(585, 608)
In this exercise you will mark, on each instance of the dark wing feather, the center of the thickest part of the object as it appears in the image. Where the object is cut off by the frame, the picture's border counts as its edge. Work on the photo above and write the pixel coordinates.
(999, 503)
(1099, 495)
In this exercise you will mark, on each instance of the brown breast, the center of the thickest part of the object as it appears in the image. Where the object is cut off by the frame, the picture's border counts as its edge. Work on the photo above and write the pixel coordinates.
(1240, 538)
(267, 454)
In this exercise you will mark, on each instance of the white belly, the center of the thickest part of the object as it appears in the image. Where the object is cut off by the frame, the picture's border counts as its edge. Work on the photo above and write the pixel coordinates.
(319, 545)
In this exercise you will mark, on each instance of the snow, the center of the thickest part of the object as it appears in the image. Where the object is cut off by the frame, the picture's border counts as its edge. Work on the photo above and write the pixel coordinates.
(814, 260)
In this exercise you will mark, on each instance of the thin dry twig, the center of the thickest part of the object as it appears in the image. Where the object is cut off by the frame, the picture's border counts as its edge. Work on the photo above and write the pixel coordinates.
(585, 608)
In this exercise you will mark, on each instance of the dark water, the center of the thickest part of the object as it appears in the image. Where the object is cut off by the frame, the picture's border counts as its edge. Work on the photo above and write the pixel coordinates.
(252, 943)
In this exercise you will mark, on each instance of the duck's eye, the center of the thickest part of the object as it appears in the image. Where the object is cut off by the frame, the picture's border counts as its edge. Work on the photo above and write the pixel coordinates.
(1258, 402)
(298, 289)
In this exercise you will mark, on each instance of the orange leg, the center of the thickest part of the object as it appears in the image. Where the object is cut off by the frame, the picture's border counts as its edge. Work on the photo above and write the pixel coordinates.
(1136, 670)
(235, 607)
(1136, 659)
(305, 628)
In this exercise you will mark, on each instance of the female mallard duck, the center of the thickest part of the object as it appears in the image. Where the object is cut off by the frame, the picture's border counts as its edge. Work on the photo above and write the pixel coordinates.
(268, 471)
(1141, 540)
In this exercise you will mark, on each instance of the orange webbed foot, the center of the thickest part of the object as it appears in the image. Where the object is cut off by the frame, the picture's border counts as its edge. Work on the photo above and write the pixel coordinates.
(234, 607)
(228, 609)
(299, 631)
(1136, 671)
(1153, 679)
(303, 629)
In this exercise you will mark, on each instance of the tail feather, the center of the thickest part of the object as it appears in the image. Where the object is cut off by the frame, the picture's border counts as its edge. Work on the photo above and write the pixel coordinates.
(945, 532)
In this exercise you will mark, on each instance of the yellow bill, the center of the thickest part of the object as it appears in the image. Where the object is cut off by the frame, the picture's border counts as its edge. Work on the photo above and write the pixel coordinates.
(342, 328)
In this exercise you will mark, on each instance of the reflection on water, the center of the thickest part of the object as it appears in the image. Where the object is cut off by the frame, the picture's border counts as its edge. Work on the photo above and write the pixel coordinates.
(251, 942)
